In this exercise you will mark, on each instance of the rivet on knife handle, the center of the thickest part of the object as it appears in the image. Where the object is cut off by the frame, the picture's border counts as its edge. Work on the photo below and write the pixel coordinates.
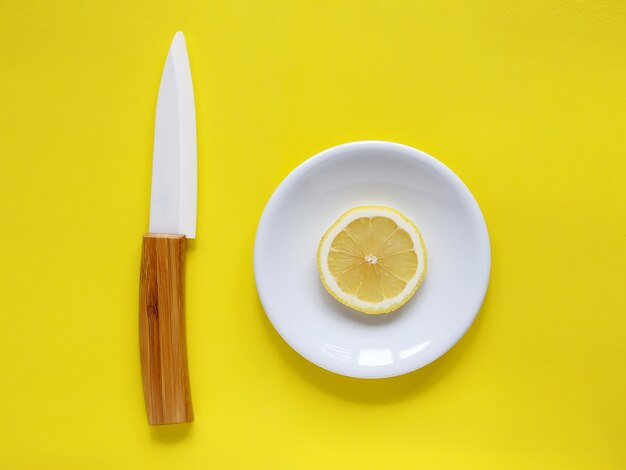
(162, 330)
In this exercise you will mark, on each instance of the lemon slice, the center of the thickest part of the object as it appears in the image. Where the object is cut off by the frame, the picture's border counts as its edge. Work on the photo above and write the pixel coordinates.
(372, 259)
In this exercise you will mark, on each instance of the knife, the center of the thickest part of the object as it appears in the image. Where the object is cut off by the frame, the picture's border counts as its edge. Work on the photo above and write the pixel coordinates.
(162, 338)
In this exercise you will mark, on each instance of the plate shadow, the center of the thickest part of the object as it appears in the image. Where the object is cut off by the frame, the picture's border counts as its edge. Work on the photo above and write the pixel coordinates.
(373, 391)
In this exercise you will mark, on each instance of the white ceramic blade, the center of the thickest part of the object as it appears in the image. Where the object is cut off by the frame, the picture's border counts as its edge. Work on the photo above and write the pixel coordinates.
(174, 161)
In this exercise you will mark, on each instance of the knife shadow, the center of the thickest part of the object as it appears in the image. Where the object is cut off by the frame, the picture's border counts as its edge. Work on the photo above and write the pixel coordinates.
(172, 433)
(374, 391)
(190, 244)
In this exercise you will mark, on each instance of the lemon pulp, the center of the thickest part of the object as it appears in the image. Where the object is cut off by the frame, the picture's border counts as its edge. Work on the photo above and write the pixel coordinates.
(372, 259)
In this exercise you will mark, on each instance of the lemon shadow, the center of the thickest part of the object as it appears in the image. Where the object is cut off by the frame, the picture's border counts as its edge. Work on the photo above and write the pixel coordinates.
(373, 391)
(170, 433)
(365, 319)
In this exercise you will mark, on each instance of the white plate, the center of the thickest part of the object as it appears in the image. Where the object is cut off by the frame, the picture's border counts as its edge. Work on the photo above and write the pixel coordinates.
(336, 337)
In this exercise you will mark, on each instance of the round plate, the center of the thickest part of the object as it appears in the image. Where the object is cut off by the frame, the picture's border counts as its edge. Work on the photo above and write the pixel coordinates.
(311, 198)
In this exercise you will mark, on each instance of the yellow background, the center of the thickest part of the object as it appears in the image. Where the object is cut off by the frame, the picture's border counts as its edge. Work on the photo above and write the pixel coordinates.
(524, 100)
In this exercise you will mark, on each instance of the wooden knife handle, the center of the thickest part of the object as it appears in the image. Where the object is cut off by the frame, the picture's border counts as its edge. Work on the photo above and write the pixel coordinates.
(162, 330)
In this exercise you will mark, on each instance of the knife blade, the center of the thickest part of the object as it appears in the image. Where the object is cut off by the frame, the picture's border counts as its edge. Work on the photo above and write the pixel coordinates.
(173, 201)
(174, 167)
